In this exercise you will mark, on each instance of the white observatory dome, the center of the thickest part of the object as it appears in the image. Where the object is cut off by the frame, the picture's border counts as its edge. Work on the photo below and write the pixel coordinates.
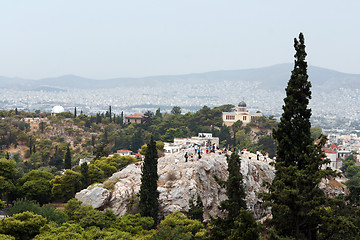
(57, 109)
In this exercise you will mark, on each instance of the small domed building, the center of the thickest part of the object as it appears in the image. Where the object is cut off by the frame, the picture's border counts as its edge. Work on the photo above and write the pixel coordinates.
(241, 114)
(57, 109)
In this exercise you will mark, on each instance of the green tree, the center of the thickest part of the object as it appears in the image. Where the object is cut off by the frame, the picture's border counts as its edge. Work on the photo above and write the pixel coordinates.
(294, 195)
(237, 126)
(267, 145)
(7, 174)
(239, 223)
(353, 185)
(101, 151)
(149, 196)
(178, 226)
(50, 213)
(224, 136)
(35, 185)
(243, 139)
(134, 224)
(85, 178)
(315, 132)
(96, 175)
(234, 188)
(158, 113)
(349, 168)
(6, 237)
(66, 231)
(64, 187)
(42, 126)
(22, 225)
(176, 110)
(67, 160)
(196, 211)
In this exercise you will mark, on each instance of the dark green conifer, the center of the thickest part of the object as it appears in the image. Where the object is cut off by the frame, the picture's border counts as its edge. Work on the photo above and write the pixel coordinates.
(149, 196)
(294, 194)
(122, 118)
(234, 188)
(75, 112)
(158, 113)
(196, 211)
(85, 178)
(110, 114)
(239, 223)
(67, 161)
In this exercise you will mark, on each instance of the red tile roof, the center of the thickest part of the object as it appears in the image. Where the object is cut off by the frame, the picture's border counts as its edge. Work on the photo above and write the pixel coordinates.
(135, 115)
(357, 163)
(326, 150)
(123, 150)
(333, 146)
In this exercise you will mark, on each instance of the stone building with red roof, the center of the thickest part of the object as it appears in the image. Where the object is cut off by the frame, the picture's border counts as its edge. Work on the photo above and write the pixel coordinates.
(134, 118)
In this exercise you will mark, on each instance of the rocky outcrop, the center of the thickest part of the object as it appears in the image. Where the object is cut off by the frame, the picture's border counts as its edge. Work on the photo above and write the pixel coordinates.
(180, 181)
(96, 195)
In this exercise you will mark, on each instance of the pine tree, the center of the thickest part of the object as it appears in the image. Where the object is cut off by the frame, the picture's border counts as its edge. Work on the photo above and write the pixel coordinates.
(234, 188)
(67, 161)
(149, 196)
(75, 112)
(239, 223)
(294, 194)
(122, 119)
(85, 178)
(158, 113)
(196, 211)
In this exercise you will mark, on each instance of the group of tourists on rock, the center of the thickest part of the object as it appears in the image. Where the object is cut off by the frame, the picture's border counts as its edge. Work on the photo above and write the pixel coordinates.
(211, 148)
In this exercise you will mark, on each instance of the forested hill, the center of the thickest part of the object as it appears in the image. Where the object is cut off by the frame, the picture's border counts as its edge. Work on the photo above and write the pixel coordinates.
(273, 78)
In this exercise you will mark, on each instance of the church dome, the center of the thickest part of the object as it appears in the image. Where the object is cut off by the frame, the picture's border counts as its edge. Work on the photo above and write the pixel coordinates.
(242, 104)
(57, 109)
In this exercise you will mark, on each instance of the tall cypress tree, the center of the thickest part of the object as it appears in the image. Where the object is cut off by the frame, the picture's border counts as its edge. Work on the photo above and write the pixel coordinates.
(110, 114)
(75, 114)
(239, 223)
(67, 160)
(234, 188)
(294, 194)
(85, 178)
(122, 119)
(149, 196)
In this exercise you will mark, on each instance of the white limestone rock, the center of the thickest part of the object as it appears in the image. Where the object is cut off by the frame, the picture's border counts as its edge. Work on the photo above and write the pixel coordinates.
(181, 181)
(97, 196)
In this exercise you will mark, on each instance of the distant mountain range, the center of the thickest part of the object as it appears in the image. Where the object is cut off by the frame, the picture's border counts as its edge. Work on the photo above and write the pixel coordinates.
(271, 78)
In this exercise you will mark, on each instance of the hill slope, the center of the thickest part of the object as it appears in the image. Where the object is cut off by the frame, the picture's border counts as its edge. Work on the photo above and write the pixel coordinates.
(272, 78)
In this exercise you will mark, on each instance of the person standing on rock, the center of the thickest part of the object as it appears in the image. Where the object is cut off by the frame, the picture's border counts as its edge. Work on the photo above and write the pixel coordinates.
(186, 157)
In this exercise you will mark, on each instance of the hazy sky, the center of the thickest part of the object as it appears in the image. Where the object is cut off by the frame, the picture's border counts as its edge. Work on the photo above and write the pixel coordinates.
(134, 38)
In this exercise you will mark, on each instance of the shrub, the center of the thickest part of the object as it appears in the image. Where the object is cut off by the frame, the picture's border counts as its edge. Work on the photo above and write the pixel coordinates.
(22, 225)
(48, 212)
